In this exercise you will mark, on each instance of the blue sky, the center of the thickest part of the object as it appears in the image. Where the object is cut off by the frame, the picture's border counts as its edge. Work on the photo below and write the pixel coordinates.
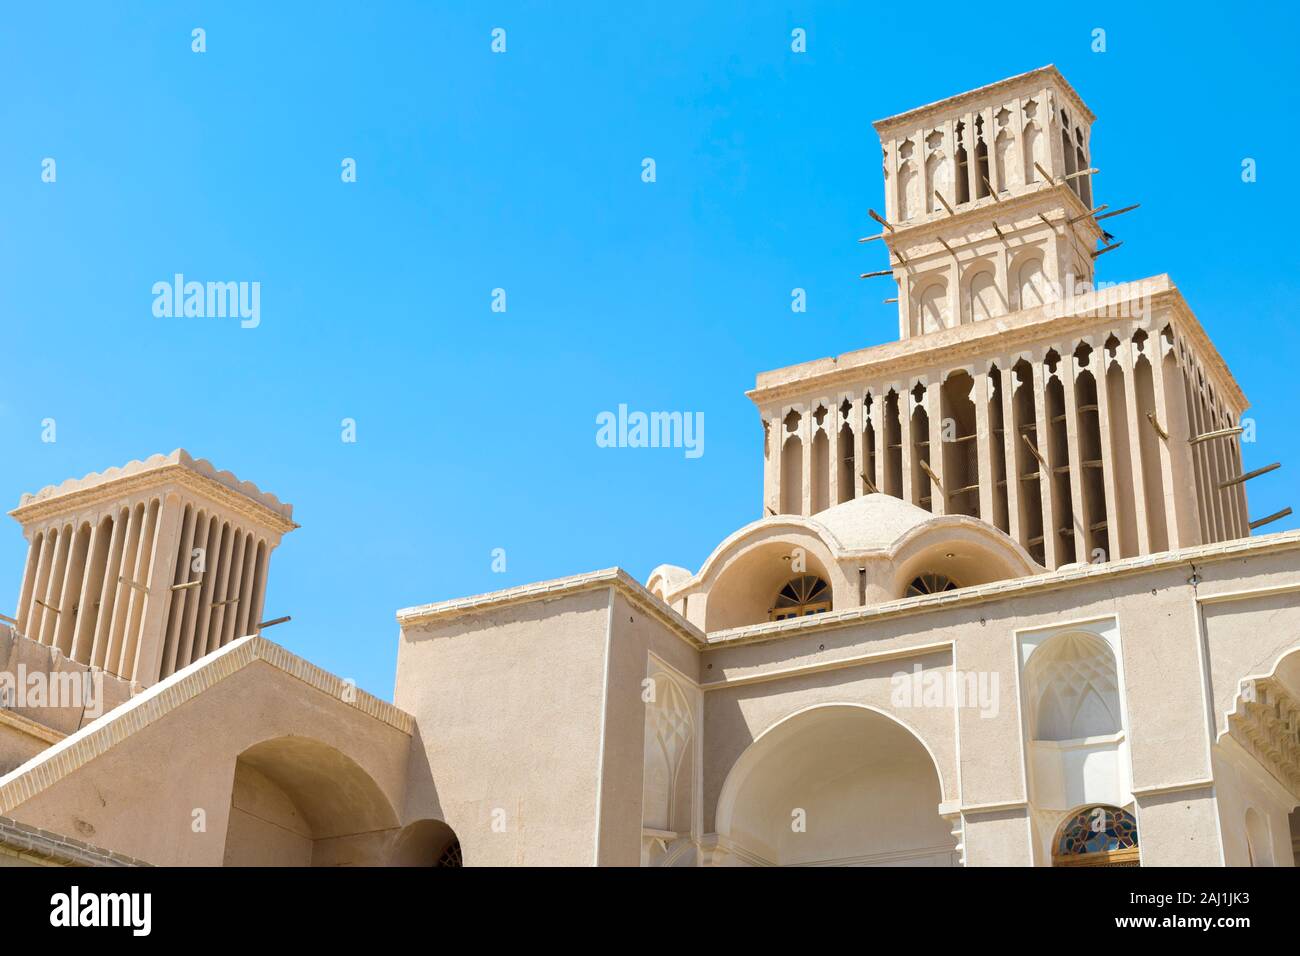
(475, 171)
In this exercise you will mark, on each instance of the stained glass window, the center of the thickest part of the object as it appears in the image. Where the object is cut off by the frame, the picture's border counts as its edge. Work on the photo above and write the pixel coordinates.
(1101, 832)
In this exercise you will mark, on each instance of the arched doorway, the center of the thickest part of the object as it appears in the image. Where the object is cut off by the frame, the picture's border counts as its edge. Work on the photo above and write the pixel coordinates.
(836, 785)
(426, 843)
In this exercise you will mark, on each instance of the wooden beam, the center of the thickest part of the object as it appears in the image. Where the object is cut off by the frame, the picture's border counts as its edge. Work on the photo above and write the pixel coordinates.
(880, 219)
(925, 467)
(992, 192)
(939, 196)
(278, 620)
(1089, 213)
(1221, 433)
(1269, 519)
(1249, 475)
(871, 486)
(872, 275)
(11, 620)
(1034, 448)
(1118, 212)
(879, 235)
(1155, 423)
(1111, 248)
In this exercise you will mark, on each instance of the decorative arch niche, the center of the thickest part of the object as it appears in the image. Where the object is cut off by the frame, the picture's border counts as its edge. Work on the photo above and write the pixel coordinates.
(1073, 688)
(932, 309)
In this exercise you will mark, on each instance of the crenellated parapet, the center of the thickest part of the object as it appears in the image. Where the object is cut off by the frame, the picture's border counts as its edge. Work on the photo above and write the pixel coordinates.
(142, 570)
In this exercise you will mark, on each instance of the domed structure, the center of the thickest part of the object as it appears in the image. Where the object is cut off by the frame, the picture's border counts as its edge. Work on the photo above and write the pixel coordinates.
(864, 552)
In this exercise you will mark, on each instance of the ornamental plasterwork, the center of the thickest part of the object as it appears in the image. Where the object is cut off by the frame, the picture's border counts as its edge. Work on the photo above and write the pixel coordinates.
(1266, 722)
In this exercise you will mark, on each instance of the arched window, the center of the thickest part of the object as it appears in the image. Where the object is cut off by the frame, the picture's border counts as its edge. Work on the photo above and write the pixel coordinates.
(800, 597)
(450, 856)
(909, 188)
(1097, 836)
(930, 582)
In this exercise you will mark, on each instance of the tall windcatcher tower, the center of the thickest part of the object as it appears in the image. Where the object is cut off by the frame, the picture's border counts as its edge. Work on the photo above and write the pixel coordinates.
(1088, 424)
(142, 570)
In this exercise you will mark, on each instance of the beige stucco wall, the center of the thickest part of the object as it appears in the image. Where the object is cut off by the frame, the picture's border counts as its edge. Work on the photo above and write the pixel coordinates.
(508, 704)
(139, 797)
(520, 709)
(17, 747)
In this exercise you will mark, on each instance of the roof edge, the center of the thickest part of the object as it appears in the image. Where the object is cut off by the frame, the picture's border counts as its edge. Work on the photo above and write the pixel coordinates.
(79, 748)
(979, 92)
(901, 357)
(615, 578)
(199, 473)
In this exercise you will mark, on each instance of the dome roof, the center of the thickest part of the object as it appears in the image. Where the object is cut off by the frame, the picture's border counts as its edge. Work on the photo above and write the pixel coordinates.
(872, 522)
(670, 574)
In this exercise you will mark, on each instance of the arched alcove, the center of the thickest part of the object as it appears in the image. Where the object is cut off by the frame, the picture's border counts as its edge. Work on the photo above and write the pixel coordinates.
(837, 784)
(932, 311)
(669, 739)
(751, 577)
(296, 801)
(1072, 688)
(1031, 281)
(983, 295)
(821, 471)
(792, 476)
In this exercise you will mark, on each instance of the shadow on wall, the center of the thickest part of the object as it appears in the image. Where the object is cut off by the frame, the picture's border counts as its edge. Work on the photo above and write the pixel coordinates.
(298, 802)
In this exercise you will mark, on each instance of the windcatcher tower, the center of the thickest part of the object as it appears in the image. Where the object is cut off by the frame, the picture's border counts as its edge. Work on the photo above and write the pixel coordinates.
(1087, 424)
(142, 570)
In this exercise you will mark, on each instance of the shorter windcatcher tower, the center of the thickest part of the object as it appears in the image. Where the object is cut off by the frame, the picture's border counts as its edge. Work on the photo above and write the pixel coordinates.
(1089, 423)
(142, 570)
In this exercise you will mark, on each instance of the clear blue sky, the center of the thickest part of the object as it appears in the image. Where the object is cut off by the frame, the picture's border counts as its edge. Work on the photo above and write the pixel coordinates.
(476, 430)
